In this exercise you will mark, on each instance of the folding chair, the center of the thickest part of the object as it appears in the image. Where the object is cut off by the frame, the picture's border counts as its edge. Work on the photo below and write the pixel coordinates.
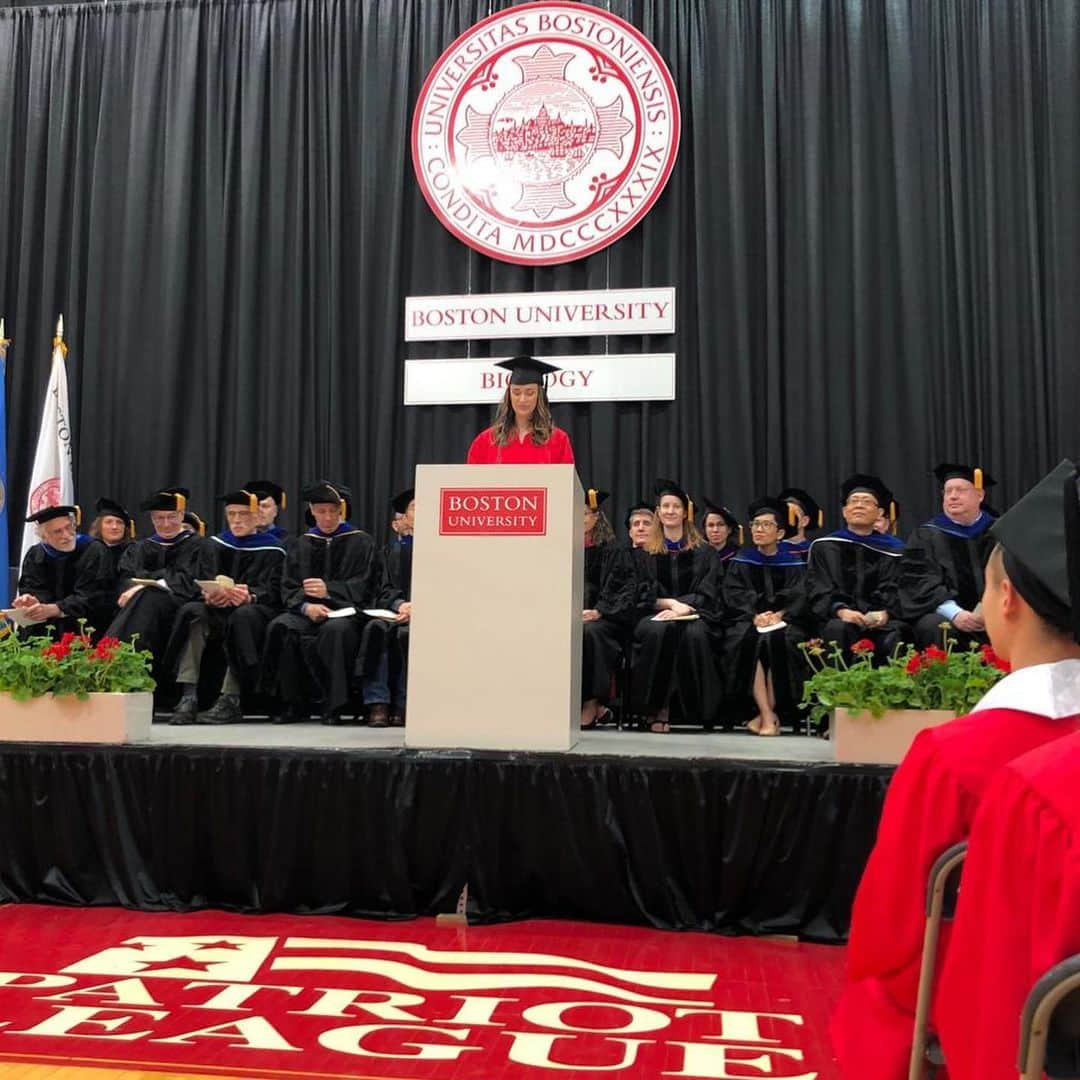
(1050, 1024)
(943, 887)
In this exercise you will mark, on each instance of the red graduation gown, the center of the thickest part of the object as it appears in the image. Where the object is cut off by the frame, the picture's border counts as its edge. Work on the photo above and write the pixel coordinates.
(930, 806)
(556, 451)
(1019, 910)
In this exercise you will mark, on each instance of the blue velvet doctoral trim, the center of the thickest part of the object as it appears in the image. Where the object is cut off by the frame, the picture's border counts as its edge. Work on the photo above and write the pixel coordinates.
(81, 540)
(799, 547)
(756, 558)
(876, 540)
(344, 527)
(276, 532)
(943, 523)
(727, 552)
(674, 545)
(253, 542)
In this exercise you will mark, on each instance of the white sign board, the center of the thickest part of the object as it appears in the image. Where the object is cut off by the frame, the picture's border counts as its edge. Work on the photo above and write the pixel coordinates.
(633, 377)
(540, 315)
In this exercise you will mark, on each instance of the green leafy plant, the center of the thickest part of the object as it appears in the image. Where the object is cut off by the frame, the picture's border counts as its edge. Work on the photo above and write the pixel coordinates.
(74, 665)
(948, 678)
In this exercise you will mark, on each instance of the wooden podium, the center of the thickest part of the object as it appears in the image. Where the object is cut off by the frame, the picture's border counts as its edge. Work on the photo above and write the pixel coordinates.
(495, 636)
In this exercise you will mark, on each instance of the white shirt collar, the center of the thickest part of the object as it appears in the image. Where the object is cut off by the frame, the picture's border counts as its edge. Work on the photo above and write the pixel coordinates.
(1051, 690)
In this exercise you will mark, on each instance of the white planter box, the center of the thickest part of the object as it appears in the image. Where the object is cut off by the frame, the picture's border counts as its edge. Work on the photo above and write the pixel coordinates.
(862, 737)
(100, 718)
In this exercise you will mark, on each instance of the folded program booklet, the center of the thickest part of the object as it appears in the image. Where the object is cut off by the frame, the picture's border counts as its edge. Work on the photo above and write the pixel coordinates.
(220, 583)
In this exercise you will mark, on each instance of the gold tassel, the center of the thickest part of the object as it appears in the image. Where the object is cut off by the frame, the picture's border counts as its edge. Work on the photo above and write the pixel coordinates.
(690, 510)
(284, 501)
(78, 516)
(892, 512)
(253, 501)
(57, 343)
(792, 515)
(181, 502)
(820, 518)
(978, 479)
(131, 528)
(742, 539)
(592, 498)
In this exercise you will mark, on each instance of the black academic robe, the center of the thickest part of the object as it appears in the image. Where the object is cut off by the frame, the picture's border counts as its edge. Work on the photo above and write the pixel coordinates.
(304, 660)
(847, 570)
(624, 596)
(943, 561)
(76, 580)
(116, 554)
(597, 561)
(676, 661)
(151, 611)
(399, 553)
(755, 583)
(255, 561)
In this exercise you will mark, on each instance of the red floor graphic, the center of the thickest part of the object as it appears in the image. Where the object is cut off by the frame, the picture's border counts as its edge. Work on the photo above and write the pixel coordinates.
(290, 996)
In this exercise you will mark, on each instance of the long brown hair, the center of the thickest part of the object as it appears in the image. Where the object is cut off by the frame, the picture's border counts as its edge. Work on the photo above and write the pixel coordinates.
(655, 544)
(601, 532)
(504, 426)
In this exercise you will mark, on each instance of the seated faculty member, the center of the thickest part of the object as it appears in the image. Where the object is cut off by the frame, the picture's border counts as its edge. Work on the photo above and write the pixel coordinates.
(853, 574)
(272, 500)
(169, 558)
(941, 579)
(310, 653)
(722, 530)
(523, 432)
(233, 617)
(933, 797)
(392, 673)
(808, 517)
(638, 523)
(65, 577)
(765, 588)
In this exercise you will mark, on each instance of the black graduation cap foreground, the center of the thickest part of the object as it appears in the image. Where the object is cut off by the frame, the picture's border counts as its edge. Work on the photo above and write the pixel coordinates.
(241, 497)
(777, 507)
(873, 485)
(111, 508)
(400, 502)
(641, 506)
(166, 499)
(1040, 536)
(527, 370)
(267, 489)
(47, 513)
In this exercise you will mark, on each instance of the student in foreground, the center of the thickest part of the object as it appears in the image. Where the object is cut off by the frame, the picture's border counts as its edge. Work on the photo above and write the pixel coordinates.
(934, 795)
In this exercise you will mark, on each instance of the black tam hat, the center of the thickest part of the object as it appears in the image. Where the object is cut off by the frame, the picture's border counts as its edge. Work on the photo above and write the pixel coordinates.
(642, 506)
(1040, 538)
(527, 370)
(241, 497)
(973, 474)
(400, 502)
(594, 497)
(111, 508)
(768, 505)
(267, 489)
(48, 513)
(873, 485)
(325, 492)
(806, 502)
(166, 499)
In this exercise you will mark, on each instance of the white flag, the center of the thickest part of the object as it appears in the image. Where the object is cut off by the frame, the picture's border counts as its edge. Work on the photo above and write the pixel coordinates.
(51, 482)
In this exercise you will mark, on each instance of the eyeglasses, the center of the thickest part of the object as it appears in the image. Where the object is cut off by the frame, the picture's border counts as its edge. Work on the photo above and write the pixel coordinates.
(764, 523)
(868, 503)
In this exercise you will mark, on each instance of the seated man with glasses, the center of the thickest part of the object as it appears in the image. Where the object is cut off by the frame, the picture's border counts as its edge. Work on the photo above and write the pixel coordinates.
(853, 574)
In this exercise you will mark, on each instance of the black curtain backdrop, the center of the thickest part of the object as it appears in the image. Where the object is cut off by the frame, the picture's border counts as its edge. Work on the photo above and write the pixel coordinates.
(873, 227)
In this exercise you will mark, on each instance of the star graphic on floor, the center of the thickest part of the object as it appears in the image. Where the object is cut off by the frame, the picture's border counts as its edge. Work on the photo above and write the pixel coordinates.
(218, 945)
(182, 963)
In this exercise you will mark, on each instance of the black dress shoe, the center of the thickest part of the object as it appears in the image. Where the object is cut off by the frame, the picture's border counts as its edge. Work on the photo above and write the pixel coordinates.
(378, 715)
(289, 714)
(226, 710)
(330, 717)
(185, 711)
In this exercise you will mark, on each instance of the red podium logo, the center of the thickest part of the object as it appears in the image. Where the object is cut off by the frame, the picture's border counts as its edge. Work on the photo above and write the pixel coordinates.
(545, 132)
(492, 511)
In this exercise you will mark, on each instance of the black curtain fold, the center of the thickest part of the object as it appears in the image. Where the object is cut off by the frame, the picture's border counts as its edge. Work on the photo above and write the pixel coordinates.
(706, 844)
(873, 228)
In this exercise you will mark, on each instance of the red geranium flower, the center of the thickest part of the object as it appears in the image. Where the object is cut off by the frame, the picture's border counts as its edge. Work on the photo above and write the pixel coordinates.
(913, 664)
(990, 657)
(57, 651)
(933, 655)
(863, 646)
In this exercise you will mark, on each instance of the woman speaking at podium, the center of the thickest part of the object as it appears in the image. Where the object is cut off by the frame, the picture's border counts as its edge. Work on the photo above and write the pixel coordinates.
(523, 432)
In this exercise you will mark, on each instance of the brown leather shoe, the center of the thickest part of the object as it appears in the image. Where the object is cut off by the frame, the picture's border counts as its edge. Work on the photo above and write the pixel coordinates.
(378, 715)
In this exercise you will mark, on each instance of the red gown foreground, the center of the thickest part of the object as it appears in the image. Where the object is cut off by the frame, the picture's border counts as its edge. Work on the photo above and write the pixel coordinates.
(930, 806)
(556, 451)
(1019, 911)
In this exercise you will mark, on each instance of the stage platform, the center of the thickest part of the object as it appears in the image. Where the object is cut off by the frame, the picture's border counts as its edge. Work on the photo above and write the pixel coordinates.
(719, 832)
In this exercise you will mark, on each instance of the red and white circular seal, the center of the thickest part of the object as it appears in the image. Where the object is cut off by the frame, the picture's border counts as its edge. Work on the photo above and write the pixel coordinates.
(545, 132)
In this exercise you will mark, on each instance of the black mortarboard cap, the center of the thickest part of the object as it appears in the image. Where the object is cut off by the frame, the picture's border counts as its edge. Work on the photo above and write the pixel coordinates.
(670, 487)
(594, 497)
(865, 482)
(809, 505)
(166, 499)
(714, 507)
(47, 513)
(640, 507)
(527, 370)
(325, 492)
(241, 497)
(111, 508)
(777, 507)
(1040, 535)
(973, 474)
(400, 502)
(267, 489)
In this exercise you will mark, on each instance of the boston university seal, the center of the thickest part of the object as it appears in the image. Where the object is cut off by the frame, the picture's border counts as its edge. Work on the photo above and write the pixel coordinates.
(545, 132)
